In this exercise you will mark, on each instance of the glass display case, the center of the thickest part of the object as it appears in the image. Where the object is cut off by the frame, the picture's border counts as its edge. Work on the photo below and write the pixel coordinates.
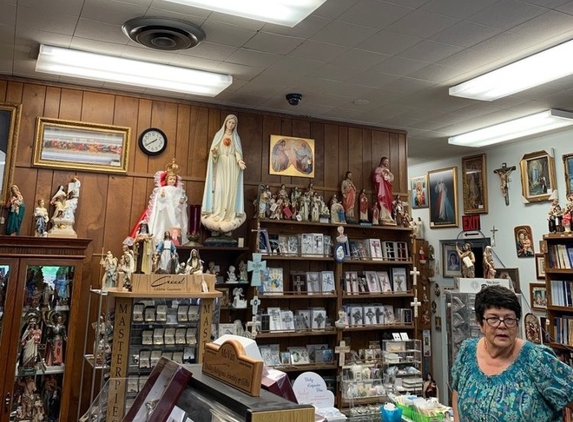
(40, 286)
(402, 362)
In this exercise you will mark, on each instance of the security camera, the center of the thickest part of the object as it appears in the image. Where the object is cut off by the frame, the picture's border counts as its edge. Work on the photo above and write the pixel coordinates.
(293, 99)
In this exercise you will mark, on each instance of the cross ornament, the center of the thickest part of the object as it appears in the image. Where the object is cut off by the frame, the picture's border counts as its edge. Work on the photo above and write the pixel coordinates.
(298, 283)
(415, 304)
(341, 349)
(255, 302)
(256, 266)
(415, 273)
(493, 232)
(253, 326)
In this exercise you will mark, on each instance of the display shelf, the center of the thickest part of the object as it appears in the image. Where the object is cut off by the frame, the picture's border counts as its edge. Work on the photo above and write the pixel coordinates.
(277, 334)
(91, 360)
(558, 258)
(362, 295)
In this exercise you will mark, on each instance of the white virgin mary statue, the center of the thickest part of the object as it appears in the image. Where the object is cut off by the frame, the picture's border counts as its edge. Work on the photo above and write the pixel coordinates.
(223, 199)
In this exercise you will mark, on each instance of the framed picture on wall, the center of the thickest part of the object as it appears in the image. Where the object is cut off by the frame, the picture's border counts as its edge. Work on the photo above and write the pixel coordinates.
(443, 197)
(452, 266)
(538, 296)
(540, 266)
(568, 167)
(419, 191)
(537, 176)
(474, 184)
(511, 274)
(291, 156)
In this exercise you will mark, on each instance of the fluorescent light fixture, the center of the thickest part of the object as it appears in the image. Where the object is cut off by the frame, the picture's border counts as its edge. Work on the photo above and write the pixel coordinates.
(528, 125)
(526, 73)
(281, 12)
(81, 64)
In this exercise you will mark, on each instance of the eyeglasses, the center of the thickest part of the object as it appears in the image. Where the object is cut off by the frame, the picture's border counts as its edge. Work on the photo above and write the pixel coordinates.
(496, 321)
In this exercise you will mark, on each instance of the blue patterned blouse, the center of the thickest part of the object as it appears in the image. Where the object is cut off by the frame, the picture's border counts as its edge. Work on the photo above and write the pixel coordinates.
(535, 387)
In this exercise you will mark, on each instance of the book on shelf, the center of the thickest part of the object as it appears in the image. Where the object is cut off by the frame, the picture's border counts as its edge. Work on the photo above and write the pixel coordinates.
(302, 319)
(293, 247)
(270, 354)
(306, 244)
(401, 249)
(287, 320)
(274, 318)
(299, 355)
(372, 280)
(369, 314)
(356, 315)
(327, 282)
(318, 318)
(389, 250)
(312, 349)
(313, 282)
(384, 281)
(318, 244)
(399, 280)
(298, 281)
(376, 253)
(273, 281)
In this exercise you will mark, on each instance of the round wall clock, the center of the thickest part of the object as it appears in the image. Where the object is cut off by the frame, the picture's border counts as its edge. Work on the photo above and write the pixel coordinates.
(152, 141)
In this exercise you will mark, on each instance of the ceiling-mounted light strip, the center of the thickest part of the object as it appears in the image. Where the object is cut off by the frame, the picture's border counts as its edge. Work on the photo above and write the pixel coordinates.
(281, 12)
(85, 65)
(526, 73)
(513, 129)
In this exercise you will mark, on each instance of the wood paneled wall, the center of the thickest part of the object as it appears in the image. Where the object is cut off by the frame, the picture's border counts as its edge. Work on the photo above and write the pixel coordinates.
(110, 205)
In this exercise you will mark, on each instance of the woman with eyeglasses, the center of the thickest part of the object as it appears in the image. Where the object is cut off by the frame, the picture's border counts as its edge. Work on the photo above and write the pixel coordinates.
(500, 377)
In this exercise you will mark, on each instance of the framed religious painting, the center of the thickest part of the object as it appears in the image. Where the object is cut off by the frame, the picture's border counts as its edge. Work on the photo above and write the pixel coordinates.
(538, 296)
(419, 191)
(474, 184)
(452, 266)
(540, 266)
(290, 156)
(65, 144)
(537, 176)
(443, 188)
(568, 168)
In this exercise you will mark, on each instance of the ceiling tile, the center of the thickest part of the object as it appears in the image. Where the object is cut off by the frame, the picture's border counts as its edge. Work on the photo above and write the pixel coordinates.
(46, 21)
(101, 31)
(415, 4)
(436, 73)
(210, 50)
(389, 42)
(7, 36)
(422, 24)
(374, 13)
(245, 72)
(465, 34)
(430, 51)
(546, 26)
(552, 4)
(359, 59)
(223, 33)
(506, 14)
(89, 44)
(399, 66)
(334, 73)
(566, 7)
(250, 24)
(344, 34)
(68, 7)
(372, 79)
(246, 56)
(305, 29)
(322, 52)
(8, 15)
(334, 8)
(273, 43)
(98, 10)
(409, 85)
(260, 89)
(456, 8)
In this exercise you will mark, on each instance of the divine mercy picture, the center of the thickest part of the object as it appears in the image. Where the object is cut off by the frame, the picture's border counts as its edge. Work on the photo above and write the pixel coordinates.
(443, 197)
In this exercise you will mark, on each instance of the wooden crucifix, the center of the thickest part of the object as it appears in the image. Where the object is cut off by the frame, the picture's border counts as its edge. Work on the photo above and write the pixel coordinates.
(342, 349)
(503, 172)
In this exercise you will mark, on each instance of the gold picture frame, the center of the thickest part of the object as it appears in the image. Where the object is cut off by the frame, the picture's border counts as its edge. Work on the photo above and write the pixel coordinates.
(538, 296)
(568, 167)
(537, 176)
(10, 115)
(81, 146)
(443, 188)
(474, 184)
(419, 191)
(291, 156)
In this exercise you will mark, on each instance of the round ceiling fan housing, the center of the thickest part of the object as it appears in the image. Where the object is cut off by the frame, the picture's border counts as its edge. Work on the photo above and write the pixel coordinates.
(163, 33)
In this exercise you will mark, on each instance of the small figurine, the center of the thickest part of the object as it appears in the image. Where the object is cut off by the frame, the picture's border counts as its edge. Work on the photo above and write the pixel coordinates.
(488, 264)
(337, 215)
(243, 274)
(342, 321)
(232, 277)
(41, 219)
(363, 205)
(194, 263)
(16, 208)
(211, 269)
(109, 264)
(348, 197)
(467, 259)
(554, 216)
(239, 301)
(165, 253)
(568, 213)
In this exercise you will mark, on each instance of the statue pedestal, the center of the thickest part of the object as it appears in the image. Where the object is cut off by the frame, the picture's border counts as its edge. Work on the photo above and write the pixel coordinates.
(219, 239)
(62, 228)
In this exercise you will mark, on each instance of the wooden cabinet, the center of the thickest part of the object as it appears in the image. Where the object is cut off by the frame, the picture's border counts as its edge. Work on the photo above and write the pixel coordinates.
(357, 290)
(558, 252)
(40, 289)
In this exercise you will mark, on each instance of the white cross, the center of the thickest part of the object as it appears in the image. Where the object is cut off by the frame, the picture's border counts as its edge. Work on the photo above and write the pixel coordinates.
(415, 273)
(342, 349)
(256, 266)
(415, 304)
(253, 326)
(255, 302)
(493, 232)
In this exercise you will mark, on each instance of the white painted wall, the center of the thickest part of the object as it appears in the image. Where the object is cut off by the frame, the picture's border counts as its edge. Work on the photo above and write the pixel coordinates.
(503, 217)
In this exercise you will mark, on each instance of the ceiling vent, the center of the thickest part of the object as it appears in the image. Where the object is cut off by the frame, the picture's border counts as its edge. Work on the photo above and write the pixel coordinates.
(163, 33)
